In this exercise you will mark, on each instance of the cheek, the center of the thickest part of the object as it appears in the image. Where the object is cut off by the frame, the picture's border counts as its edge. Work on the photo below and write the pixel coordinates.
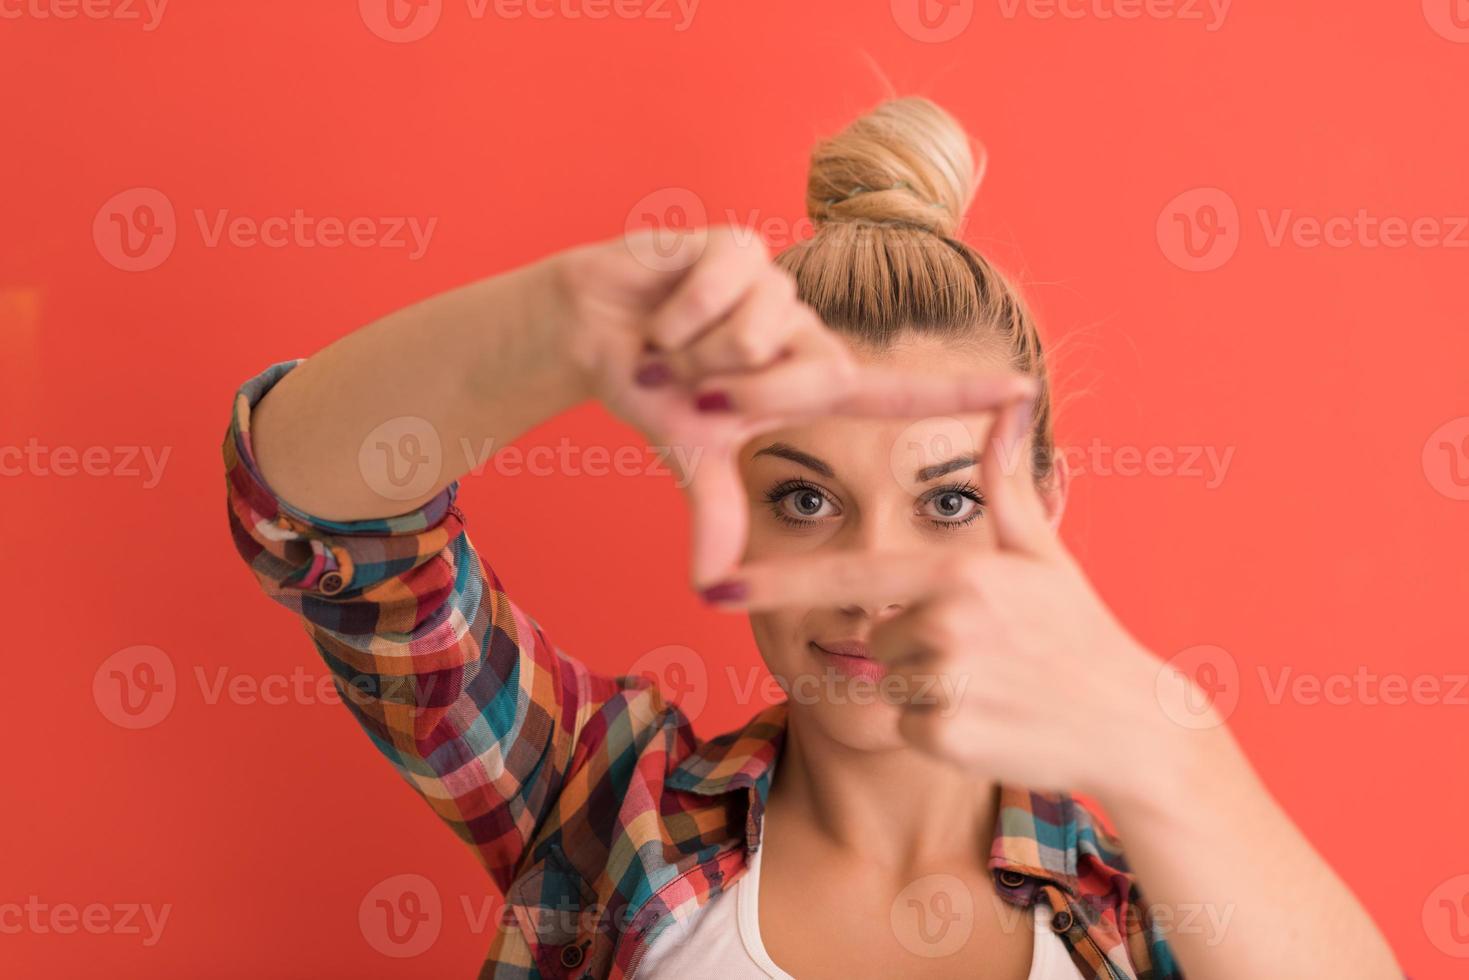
(777, 634)
(767, 537)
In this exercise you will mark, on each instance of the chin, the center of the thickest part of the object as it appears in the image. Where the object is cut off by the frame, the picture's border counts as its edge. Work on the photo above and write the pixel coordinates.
(842, 697)
(862, 727)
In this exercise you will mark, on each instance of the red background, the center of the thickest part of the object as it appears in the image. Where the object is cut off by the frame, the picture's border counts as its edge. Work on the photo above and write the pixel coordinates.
(1333, 545)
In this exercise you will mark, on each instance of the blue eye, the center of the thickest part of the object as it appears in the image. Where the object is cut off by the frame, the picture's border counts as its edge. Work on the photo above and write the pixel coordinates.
(799, 503)
(953, 506)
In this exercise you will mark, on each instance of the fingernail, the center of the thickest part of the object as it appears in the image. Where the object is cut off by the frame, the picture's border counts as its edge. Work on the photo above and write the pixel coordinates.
(729, 591)
(713, 401)
(653, 374)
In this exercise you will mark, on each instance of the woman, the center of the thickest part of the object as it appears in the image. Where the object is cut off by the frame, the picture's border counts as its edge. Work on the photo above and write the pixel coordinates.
(952, 677)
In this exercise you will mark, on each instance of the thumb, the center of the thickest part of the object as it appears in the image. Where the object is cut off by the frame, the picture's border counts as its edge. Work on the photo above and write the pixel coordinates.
(719, 516)
(1014, 506)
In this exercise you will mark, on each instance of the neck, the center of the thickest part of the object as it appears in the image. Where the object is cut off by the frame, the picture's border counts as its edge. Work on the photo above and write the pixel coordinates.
(896, 808)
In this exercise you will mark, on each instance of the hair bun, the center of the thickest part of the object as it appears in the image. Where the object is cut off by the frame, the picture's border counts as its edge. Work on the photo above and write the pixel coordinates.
(906, 161)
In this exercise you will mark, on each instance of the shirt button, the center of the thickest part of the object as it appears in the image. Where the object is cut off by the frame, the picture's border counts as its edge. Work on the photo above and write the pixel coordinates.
(1061, 921)
(331, 583)
(1012, 879)
(571, 957)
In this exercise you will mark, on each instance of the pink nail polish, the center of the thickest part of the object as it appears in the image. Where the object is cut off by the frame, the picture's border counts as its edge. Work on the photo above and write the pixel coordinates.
(729, 591)
(713, 401)
(652, 374)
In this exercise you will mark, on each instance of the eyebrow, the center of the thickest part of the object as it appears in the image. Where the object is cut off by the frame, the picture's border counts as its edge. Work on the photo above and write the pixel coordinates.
(948, 466)
(795, 455)
(817, 465)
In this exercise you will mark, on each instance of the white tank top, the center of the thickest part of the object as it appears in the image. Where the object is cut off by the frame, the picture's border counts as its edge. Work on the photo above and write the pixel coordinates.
(722, 942)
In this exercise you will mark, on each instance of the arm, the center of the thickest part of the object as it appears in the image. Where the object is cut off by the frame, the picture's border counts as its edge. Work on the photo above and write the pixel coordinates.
(454, 683)
(1246, 893)
(1052, 692)
(486, 361)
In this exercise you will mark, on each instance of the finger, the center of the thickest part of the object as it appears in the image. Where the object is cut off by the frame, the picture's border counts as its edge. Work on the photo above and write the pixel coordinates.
(841, 579)
(881, 391)
(733, 260)
(828, 382)
(908, 640)
(1014, 505)
(815, 369)
(720, 517)
(757, 332)
(959, 740)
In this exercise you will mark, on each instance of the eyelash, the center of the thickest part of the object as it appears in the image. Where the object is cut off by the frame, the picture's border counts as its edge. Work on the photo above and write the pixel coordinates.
(780, 491)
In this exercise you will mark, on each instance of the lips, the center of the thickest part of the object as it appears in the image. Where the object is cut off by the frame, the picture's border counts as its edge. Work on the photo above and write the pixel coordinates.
(855, 649)
(850, 658)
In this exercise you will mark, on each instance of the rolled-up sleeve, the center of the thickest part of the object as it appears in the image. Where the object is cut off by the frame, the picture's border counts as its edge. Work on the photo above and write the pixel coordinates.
(453, 682)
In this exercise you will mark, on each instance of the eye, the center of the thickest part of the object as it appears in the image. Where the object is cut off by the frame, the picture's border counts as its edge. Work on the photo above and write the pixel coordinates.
(951, 506)
(798, 502)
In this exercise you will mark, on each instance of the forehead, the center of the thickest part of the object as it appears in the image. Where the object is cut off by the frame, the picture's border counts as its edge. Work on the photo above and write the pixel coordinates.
(924, 352)
(857, 447)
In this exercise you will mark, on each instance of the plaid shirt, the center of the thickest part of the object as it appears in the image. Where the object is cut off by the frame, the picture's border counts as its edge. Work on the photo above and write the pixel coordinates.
(599, 815)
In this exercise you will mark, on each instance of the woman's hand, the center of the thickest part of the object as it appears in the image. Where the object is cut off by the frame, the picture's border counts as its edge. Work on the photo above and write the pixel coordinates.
(1009, 663)
(705, 345)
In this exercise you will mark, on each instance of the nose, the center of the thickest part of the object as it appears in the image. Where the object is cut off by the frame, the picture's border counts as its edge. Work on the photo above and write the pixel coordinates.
(871, 535)
(874, 612)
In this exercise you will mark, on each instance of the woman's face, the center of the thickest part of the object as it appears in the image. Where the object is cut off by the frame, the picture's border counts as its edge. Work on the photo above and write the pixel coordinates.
(861, 484)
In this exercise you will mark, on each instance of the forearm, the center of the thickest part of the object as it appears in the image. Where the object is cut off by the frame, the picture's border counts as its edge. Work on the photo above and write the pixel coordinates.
(1238, 891)
(443, 381)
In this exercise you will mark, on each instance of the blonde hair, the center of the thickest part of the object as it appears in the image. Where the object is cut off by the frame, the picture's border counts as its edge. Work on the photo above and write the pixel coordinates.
(887, 195)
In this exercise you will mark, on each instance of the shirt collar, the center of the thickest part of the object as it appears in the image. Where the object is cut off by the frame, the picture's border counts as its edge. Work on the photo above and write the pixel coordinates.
(1044, 836)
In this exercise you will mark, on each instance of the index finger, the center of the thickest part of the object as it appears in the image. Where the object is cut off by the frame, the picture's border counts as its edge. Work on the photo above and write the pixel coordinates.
(1015, 507)
(837, 579)
(883, 391)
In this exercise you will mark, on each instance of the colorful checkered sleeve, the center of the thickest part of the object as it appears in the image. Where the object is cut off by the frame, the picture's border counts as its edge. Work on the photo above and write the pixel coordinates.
(452, 681)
